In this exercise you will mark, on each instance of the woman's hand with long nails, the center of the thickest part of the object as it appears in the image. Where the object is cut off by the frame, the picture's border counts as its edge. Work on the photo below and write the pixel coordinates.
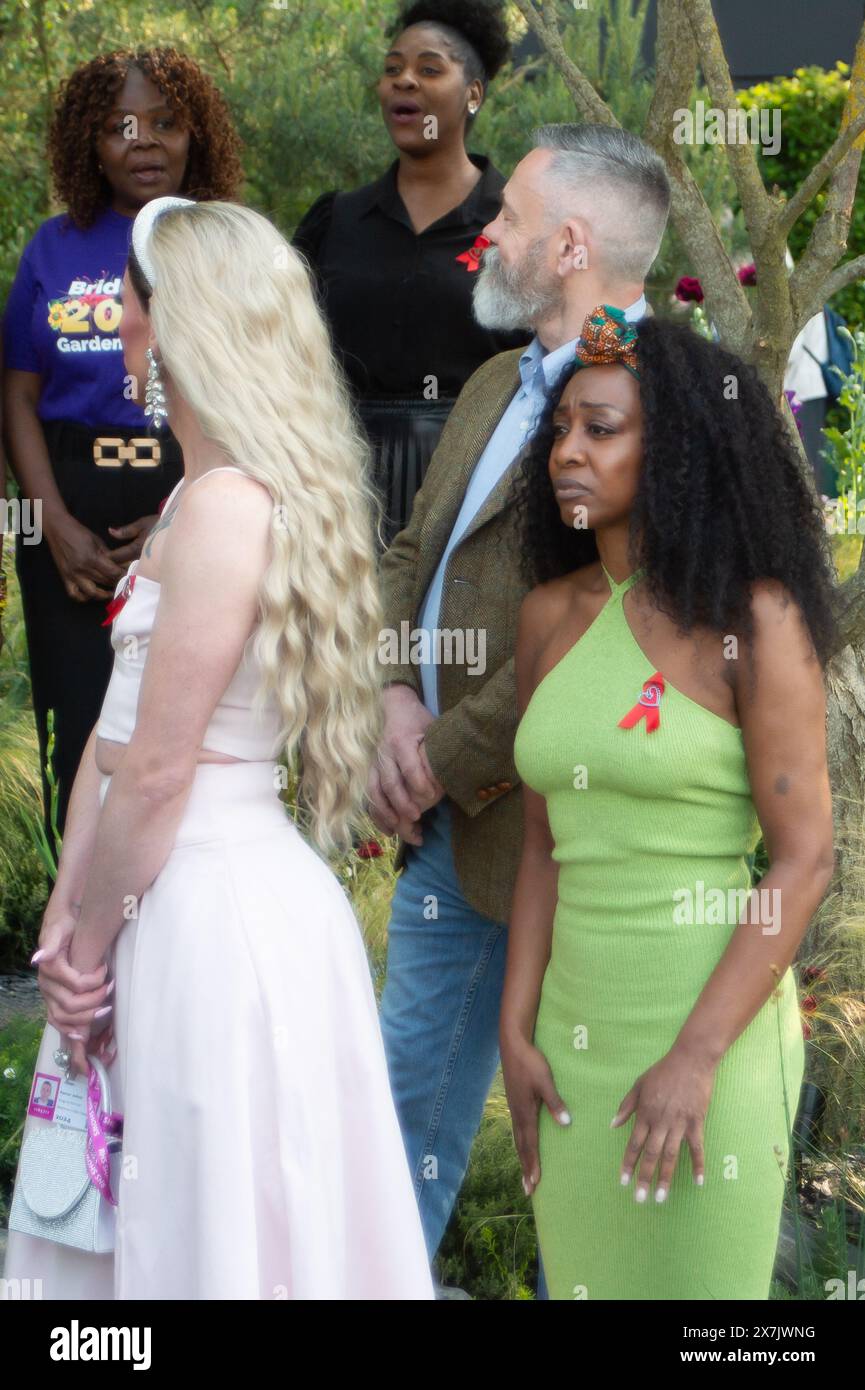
(529, 1084)
(73, 998)
(669, 1103)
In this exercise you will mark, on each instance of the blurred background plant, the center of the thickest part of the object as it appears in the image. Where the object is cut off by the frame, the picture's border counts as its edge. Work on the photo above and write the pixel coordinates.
(845, 448)
(23, 877)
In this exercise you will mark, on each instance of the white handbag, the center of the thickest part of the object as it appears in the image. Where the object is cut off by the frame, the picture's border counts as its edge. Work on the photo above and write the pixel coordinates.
(55, 1197)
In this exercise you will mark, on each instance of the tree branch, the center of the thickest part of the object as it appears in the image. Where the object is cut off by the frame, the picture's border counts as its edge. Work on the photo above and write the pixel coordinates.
(828, 240)
(842, 276)
(675, 66)
(590, 106)
(850, 610)
(756, 203)
(811, 185)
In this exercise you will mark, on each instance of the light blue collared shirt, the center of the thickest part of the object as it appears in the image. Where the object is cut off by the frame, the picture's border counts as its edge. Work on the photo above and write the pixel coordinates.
(539, 372)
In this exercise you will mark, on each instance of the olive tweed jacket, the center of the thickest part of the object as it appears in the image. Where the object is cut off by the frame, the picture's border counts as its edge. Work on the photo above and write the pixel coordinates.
(470, 745)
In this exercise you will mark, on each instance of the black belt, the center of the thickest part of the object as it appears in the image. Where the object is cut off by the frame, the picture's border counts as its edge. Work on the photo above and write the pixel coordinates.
(110, 446)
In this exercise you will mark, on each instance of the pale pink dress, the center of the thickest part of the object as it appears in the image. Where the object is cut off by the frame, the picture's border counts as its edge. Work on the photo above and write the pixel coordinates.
(262, 1153)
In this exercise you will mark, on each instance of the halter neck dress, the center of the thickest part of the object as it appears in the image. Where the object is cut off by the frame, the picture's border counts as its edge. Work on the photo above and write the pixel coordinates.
(651, 830)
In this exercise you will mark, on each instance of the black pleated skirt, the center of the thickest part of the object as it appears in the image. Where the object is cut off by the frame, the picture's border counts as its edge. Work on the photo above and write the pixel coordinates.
(403, 433)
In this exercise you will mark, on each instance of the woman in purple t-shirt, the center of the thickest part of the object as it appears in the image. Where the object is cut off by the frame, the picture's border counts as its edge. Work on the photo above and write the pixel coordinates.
(128, 127)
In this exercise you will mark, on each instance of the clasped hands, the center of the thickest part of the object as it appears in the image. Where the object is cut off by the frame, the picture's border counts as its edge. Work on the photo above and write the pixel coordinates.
(76, 998)
(402, 784)
(88, 568)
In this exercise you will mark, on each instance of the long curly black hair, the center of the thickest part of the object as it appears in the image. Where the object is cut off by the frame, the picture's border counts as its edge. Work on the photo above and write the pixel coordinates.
(477, 30)
(213, 168)
(721, 500)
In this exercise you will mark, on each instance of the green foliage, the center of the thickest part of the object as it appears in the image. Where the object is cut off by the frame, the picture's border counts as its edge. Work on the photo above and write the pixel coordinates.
(490, 1247)
(19, 1045)
(23, 882)
(846, 446)
(810, 103)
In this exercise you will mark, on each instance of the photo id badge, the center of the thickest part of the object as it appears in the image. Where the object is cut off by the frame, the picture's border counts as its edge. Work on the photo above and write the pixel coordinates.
(64, 1102)
(43, 1097)
(71, 1107)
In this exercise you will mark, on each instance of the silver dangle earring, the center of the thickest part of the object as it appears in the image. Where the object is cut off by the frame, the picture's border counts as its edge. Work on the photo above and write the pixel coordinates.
(154, 392)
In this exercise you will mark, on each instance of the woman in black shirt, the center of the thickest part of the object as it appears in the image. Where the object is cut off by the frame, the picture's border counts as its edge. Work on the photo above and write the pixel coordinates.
(396, 260)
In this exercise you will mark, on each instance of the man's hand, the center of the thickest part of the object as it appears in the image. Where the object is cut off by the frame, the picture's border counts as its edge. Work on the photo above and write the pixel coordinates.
(402, 786)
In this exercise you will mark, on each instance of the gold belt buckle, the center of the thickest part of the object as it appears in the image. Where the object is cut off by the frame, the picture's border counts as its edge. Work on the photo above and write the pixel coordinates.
(138, 453)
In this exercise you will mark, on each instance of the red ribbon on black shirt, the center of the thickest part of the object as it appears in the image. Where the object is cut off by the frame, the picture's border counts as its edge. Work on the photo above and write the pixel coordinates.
(472, 257)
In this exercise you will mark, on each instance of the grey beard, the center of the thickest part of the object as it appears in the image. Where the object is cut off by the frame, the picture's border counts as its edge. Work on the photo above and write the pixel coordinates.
(513, 299)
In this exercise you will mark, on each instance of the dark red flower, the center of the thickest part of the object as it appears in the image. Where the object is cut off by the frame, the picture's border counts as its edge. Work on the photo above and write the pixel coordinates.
(747, 274)
(813, 972)
(809, 1004)
(806, 1029)
(689, 288)
(369, 849)
(472, 257)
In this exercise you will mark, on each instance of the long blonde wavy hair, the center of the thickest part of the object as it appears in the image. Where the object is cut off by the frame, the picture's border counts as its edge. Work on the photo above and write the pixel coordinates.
(244, 343)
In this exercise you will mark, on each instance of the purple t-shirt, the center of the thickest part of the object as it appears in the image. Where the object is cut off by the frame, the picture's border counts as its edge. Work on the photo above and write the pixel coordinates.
(62, 317)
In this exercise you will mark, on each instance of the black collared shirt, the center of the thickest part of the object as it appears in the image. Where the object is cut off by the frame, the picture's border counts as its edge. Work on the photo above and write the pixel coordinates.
(399, 302)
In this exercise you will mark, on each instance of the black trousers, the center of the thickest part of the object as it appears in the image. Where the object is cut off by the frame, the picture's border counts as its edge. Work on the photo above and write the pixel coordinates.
(69, 650)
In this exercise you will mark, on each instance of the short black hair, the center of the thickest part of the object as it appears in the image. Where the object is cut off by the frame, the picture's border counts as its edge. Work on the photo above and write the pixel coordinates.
(476, 28)
(722, 500)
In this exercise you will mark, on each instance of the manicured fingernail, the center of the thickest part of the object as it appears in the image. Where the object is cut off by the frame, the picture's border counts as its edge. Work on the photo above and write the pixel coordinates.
(700, 1180)
(37, 956)
(613, 1120)
(527, 1187)
(625, 1179)
(660, 1194)
(79, 1037)
(106, 1009)
(564, 1117)
(109, 989)
(640, 1194)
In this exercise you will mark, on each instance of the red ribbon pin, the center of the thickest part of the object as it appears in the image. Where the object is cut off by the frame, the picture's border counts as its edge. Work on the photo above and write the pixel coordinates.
(472, 257)
(647, 706)
(114, 605)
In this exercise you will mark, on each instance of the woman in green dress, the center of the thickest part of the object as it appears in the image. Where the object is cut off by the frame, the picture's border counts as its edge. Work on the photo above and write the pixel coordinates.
(669, 675)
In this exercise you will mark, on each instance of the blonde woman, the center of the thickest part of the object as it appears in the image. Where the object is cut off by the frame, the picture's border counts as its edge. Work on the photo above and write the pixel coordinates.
(194, 941)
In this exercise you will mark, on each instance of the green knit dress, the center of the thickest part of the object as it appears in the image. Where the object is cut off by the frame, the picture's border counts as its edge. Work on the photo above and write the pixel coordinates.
(648, 827)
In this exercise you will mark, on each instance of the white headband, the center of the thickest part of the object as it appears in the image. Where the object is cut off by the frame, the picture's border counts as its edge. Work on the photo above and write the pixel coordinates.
(143, 226)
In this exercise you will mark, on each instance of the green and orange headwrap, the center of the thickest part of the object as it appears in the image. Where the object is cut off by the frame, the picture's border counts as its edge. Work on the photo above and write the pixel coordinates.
(607, 337)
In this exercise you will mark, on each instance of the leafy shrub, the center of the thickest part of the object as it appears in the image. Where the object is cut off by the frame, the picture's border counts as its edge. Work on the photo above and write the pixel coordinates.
(810, 103)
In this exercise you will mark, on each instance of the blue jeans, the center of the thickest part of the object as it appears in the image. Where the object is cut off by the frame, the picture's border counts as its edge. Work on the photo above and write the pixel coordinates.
(439, 1019)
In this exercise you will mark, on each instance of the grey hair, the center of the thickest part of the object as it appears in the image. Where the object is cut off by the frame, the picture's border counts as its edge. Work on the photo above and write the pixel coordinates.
(614, 181)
